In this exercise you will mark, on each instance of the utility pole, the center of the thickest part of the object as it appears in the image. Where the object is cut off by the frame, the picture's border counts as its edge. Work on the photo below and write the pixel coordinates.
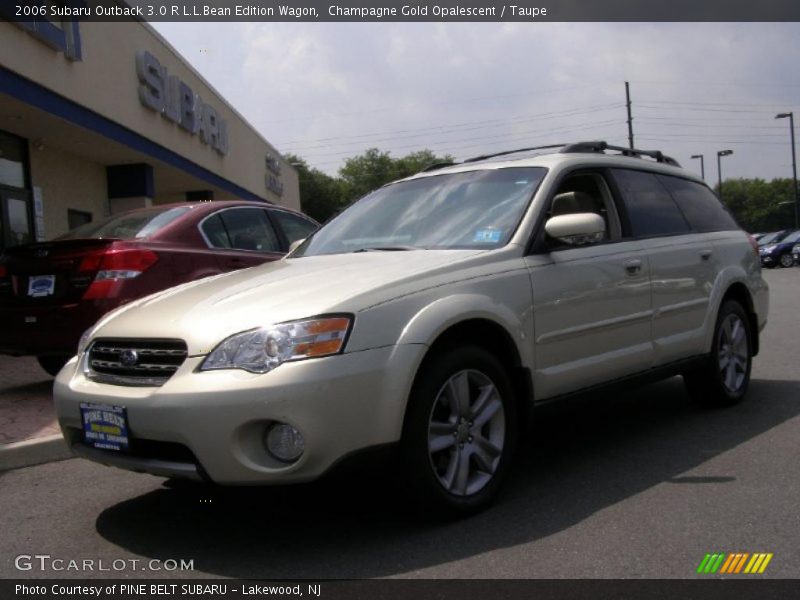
(790, 115)
(702, 165)
(630, 118)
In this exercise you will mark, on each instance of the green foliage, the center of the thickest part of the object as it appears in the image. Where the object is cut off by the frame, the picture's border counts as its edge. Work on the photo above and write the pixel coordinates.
(759, 205)
(322, 196)
(369, 171)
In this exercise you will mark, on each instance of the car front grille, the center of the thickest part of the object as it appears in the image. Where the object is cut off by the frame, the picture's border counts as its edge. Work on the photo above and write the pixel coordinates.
(134, 362)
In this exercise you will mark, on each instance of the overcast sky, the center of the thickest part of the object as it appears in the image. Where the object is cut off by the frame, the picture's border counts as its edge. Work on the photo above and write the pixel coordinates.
(327, 91)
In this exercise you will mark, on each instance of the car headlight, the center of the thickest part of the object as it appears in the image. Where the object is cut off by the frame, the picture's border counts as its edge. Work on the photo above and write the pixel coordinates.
(768, 249)
(261, 350)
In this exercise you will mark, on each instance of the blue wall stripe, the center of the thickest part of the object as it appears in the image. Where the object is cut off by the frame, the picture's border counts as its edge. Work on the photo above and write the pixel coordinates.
(32, 93)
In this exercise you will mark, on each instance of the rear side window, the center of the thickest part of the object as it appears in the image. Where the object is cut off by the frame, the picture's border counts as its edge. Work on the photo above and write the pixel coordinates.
(651, 210)
(699, 205)
(295, 227)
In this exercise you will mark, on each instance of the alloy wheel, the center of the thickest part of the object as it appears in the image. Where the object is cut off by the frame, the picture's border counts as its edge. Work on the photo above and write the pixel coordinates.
(733, 353)
(466, 432)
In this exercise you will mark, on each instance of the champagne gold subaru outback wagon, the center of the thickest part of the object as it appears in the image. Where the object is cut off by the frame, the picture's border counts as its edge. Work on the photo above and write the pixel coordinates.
(427, 317)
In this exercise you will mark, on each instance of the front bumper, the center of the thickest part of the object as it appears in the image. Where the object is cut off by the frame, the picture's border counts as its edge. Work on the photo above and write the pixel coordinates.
(341, 404)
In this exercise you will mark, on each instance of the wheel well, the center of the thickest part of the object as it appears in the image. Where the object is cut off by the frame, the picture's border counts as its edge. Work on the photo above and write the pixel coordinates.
(739, 292)
(498, 341)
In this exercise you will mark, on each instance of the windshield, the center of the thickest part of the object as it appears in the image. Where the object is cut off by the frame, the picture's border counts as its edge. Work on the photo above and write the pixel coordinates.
(128, 226)
(473, 209)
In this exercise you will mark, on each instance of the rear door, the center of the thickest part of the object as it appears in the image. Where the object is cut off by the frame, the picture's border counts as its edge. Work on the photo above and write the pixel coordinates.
(591, 303)
(682, 263)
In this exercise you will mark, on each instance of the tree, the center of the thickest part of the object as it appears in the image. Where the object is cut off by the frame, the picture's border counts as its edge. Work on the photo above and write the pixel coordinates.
(321, 196)
(760, 205)
(369, 171)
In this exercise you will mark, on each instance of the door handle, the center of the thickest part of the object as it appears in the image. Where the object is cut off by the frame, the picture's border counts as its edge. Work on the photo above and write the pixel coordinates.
(633, 266)
(705, 254)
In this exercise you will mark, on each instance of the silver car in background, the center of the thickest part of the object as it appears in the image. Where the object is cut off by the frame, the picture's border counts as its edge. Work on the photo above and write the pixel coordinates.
(428, 317)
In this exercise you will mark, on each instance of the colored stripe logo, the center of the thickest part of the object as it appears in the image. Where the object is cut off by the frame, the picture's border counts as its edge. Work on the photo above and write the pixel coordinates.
(735, 563)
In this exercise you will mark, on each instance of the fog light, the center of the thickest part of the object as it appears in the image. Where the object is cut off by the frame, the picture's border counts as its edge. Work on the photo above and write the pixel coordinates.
(285, 442)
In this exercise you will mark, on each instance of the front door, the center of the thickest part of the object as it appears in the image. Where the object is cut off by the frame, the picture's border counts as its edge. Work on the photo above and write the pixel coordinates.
(592, 306)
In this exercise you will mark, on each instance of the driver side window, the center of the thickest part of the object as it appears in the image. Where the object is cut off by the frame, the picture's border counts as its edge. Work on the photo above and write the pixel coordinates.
(587, 193)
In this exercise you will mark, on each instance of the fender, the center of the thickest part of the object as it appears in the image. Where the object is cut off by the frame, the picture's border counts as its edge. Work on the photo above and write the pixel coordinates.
(435, 318)
(727, 277)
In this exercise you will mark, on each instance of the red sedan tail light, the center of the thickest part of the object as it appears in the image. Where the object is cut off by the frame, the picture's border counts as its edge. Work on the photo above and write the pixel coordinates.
(112, 267)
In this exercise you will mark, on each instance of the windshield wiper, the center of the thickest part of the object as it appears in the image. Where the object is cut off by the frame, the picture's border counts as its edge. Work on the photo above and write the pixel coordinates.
(385, 249)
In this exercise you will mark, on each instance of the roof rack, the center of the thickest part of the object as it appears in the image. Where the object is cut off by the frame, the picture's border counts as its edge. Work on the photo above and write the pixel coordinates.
(597, 147)
(601, 147)
(485, 156)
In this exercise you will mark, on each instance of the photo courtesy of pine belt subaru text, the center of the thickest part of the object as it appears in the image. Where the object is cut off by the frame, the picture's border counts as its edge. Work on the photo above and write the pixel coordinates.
(426, 319)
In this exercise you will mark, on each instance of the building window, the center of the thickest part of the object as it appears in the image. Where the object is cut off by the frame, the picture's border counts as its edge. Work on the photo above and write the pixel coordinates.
(13, 161)
(76, 218)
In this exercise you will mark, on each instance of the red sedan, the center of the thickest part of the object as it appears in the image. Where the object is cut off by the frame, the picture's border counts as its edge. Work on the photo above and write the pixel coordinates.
(51, 292)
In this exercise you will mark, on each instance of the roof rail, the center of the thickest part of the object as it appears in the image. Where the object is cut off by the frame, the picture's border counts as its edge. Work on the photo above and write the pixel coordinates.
(437, 165)
(486, 156)
(600, 147)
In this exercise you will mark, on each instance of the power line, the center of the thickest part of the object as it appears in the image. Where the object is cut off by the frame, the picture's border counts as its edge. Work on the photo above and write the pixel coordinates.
(509, 136)
(573, 112)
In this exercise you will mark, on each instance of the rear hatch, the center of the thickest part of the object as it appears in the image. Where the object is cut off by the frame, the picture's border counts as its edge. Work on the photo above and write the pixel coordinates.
(50, 273)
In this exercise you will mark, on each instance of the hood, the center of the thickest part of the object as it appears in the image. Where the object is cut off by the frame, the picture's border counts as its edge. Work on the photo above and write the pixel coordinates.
(205, 312)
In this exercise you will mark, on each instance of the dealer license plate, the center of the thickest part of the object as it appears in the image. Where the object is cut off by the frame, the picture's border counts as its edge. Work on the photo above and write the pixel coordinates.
(104, 426)
(41, 285)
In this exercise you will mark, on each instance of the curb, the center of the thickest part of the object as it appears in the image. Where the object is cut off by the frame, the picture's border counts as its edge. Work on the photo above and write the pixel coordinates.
(33, 452)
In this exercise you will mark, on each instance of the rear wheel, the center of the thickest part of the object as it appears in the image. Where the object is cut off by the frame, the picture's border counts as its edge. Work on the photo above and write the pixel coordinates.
(724, 379)
(460, 431)
(52, 364)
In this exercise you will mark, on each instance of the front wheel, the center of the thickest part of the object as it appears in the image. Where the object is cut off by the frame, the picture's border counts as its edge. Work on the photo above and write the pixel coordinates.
(460, 431)
(723, 381)
(787, 260)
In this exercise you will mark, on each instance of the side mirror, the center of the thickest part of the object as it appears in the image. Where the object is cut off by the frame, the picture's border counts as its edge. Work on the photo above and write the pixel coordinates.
(577, 229)
(295, 245)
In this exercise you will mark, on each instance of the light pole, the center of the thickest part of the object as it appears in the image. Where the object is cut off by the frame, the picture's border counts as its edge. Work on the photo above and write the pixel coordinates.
(794, 165)
(720, 154)
(702, 165)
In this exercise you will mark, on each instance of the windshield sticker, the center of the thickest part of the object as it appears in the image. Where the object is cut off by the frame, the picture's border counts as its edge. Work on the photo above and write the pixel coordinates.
(487, 236)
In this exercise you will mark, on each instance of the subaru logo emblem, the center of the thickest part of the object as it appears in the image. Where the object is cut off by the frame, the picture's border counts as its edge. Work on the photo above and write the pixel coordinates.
(129, 358)
(41, 252)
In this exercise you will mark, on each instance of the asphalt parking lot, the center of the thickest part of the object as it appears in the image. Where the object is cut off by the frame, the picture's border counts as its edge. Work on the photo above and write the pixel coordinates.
(642, 484)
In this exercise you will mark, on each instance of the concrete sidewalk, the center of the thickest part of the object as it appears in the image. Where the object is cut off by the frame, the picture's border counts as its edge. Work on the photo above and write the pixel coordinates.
(29, 433)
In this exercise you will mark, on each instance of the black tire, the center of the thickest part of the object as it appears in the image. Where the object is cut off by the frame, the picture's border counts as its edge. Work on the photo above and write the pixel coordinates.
(426, 468)
(716, 384)
(786, 260)
(52, 364)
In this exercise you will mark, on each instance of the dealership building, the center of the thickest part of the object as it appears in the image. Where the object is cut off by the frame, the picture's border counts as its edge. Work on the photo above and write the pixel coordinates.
(97, 118)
